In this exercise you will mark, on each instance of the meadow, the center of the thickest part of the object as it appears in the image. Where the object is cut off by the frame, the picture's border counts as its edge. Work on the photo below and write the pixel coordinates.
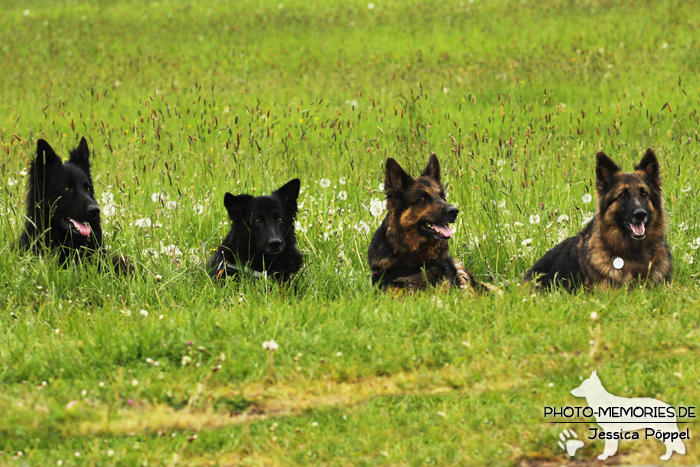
(184, 101)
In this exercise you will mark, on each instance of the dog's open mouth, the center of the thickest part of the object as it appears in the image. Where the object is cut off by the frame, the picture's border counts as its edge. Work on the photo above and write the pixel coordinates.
(638, 230)
(437, 231)
(82, 227)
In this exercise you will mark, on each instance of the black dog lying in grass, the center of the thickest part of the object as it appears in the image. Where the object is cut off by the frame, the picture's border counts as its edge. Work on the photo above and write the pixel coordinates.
(262, 239)
(62, 213)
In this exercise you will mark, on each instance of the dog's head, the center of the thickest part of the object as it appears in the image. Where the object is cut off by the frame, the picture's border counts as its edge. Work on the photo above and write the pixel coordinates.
(631, 202)
(419, 203)
(61, 195)
(268, 219)
(589, 387)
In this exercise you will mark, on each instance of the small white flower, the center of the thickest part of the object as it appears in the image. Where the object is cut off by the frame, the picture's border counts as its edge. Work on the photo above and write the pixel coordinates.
(150, 252)
(518, 224)
(563, 219)
(109, 210)
(594, 316)
(586, 198)
(26, 12)
(314, 424)
(686, 189)
(110, 453)
(342, 180)
(688, 258)
(144, 222)
(362, 227)
(325, 183)
(156, 197)
(369, 6)
(171, 205)
(77, 454)
(527, 242)
(134, 383)
(376, 207)
(11, 181)
(535, 219)
(343, 195)
(198, 209)
(339, 354)
(381, 187)
(663, 46)
(270, 345)
(586, 218)
(298, 226)
(186, 360)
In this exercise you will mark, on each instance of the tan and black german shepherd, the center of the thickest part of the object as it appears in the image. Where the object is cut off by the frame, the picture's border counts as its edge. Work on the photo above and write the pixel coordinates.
(626, 240)
(410, 248)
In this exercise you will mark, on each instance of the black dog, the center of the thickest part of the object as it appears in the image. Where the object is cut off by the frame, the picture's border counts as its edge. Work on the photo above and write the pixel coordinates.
(262, 239)
(62, 214)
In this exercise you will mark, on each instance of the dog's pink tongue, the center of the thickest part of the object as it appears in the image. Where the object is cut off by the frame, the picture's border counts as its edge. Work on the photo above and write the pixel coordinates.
(637, 229)
(444, 230)
(84, 229)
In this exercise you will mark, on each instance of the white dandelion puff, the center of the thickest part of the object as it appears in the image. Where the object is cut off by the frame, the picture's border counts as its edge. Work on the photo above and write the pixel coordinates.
(586, 198)
(376, 207)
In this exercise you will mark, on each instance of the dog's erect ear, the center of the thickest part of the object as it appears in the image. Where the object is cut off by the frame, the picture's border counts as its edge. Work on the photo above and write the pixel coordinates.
(604, 171)
(397, 180)
(432, 170)
(80, 156)
(650, 166)
(236, 205)
(288, 194)
(45, 155)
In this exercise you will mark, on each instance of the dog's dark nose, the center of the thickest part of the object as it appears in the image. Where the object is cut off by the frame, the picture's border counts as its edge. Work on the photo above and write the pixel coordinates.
(275, 244)
(452, 213)
(93, 210)
(639, 214)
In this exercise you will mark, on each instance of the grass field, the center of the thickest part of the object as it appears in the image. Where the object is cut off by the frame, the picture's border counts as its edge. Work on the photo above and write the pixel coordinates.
(184, 101)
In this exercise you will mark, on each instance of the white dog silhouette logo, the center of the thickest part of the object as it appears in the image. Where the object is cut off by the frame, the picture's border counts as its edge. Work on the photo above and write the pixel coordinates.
(616, 415)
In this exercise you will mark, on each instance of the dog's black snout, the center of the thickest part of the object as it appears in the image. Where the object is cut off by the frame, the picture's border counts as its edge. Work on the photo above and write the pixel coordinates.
(452, 213)
(275, 244)
(93, 210)
(640, 214)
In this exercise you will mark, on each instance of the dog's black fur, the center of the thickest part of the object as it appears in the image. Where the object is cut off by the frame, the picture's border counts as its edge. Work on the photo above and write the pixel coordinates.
(629, 225)
(262, 238)
(62, 213)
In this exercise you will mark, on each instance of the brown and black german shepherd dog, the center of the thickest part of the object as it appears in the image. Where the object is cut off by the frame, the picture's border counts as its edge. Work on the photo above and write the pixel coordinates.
(626, 240)
(410, 248)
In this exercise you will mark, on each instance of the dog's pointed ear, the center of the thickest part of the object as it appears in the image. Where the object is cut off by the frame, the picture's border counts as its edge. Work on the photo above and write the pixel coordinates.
(605, 170)
(236, 205)
(649, 166)
(80, 156)
(45, 155)
(432, 170)
(288, 194)
(397, 180)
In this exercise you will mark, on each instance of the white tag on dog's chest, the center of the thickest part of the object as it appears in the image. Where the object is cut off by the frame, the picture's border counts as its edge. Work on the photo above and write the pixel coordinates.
(618, 263)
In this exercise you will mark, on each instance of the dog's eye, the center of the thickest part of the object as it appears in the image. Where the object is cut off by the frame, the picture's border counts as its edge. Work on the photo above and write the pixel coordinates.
(66, 189)
(257, 221)
(443, 196)
(623, 195)
(423, 199)
(644, 194)
(87, 189)
(279, 221)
